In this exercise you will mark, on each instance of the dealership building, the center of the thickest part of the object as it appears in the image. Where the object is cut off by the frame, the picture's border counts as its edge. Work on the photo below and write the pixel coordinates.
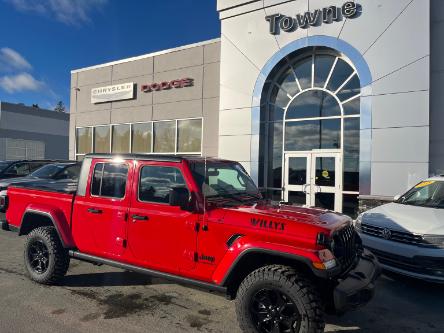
(330, 104)
(32, 133)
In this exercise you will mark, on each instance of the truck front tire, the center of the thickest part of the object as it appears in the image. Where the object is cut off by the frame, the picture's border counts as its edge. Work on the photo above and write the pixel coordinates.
(46, 260)
(276, 299)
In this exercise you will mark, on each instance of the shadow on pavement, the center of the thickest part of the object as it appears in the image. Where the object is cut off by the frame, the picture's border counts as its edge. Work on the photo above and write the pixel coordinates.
(401, 304)
(107, 279)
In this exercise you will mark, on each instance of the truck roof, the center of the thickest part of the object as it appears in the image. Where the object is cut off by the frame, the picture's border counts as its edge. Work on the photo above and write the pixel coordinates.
(154, 157)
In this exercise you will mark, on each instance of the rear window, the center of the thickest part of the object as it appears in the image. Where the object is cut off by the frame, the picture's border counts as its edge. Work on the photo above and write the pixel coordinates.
(109, 180)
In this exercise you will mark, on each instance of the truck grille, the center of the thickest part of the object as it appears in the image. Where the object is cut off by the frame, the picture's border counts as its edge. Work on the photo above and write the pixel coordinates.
(393, 235)
(346, 245)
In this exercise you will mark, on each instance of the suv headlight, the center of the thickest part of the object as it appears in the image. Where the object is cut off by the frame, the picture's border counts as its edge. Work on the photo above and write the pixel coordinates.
(434, 240)
(358, 221)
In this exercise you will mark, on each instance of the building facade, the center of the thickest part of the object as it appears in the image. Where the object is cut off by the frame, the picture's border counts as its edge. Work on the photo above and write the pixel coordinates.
(32, 133)
(164, 103)
(326, 103)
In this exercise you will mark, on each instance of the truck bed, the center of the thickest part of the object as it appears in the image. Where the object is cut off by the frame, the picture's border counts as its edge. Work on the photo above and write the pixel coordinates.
(67, 187)
(55, 197)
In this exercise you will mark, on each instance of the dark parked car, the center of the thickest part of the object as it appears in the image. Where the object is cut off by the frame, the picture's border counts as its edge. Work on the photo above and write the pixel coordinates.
(22, 168)
(53, 171)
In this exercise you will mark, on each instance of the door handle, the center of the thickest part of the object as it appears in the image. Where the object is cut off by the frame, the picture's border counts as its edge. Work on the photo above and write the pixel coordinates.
(140, 217)
(94, 211)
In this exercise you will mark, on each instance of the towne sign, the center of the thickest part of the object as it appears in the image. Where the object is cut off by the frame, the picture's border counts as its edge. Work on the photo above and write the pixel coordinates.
(317, 17)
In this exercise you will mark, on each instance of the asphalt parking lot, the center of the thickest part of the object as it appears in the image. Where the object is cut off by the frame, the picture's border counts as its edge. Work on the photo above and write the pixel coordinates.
(103, 299)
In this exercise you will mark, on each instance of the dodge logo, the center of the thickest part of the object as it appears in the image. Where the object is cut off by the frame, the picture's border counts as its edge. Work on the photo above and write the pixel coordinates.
(386, 233)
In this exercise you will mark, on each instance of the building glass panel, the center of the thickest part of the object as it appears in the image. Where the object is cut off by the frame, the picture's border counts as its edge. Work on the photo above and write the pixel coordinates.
(121, 139)
(102, 138)
(141, 138)
(189, 134)
(84, 140)
(165, 137)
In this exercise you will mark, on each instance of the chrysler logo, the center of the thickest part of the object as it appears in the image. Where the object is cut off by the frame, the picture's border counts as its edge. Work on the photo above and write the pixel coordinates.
(386, 233)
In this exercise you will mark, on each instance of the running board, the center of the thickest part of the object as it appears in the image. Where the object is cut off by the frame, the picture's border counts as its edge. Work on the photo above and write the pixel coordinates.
(178, 279)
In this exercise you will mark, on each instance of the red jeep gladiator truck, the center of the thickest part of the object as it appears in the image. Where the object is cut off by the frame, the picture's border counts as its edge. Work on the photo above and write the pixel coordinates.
(201, 222)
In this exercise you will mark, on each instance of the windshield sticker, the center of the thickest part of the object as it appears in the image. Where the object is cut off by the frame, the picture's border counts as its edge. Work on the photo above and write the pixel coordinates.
(267, 224)
(424, 184)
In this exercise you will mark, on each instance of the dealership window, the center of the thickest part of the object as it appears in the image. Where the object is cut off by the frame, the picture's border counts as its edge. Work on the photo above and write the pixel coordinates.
(189, 135)
(102, 139)
(180, 136)
(84, 143)
(121, 138)
(141, 137)
(311, 103)
(165, 137)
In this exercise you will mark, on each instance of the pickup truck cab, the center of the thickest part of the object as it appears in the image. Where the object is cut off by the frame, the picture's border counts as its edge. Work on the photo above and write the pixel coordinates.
(197, 221)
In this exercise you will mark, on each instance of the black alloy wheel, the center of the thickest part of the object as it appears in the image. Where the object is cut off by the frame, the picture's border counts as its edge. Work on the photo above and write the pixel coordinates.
(273, 311)
(38, 256)
(279, 299)
(46, 260)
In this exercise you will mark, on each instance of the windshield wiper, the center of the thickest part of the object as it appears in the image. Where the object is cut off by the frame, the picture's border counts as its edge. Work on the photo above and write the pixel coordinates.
(220, 200)
(241, 197)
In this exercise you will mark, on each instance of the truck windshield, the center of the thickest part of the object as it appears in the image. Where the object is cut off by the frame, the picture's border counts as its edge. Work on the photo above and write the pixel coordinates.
(223, 179)
(425, 194)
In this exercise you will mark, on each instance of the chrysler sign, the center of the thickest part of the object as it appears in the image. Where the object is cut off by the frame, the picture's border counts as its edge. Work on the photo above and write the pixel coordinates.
(317, 17)
(116, 92)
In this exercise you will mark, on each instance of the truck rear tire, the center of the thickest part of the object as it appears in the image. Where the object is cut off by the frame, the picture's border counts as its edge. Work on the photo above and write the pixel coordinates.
(276, 299)
(46, 260)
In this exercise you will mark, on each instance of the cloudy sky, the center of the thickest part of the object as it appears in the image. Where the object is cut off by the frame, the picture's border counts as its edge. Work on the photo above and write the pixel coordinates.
(43, 40)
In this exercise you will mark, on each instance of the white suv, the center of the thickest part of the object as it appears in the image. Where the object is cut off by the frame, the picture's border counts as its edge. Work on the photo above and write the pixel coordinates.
(407, 235)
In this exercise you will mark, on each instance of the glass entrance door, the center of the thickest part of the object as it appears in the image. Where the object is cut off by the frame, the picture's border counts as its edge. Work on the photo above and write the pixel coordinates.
(314, 179)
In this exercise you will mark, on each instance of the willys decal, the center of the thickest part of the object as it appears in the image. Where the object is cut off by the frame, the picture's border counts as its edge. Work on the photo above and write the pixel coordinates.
(262, 223)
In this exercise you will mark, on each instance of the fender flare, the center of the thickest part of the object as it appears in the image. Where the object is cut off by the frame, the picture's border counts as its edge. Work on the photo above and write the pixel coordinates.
(244, 246)
(57, 219)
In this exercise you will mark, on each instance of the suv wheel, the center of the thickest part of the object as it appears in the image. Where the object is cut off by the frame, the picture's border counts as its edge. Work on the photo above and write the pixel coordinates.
(46, 261)
(276, 299)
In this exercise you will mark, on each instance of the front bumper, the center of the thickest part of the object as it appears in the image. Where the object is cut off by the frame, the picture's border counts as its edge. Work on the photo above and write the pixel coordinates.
(357, 288)
(414, 261)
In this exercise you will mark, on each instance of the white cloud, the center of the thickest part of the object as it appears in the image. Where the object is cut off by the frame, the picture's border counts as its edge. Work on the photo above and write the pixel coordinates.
(20, 82)
(70, 12)
(12, 60)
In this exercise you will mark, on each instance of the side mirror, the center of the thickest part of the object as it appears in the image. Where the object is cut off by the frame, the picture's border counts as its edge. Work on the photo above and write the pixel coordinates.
(180, 197)
(397, 197)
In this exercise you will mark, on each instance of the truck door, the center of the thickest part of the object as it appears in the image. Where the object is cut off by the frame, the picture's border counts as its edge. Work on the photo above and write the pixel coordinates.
(100, 217)
(160, 236)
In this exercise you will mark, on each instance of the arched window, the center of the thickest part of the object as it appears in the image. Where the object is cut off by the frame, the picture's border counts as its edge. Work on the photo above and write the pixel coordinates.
(311, 102)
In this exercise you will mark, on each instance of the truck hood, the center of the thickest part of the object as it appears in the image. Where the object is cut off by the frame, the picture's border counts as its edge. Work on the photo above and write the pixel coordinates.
(291, 219)
(407, 218)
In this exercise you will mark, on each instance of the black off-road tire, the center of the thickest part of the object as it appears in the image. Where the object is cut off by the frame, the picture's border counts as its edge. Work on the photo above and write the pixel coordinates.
(58, 258)
(287, 281)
